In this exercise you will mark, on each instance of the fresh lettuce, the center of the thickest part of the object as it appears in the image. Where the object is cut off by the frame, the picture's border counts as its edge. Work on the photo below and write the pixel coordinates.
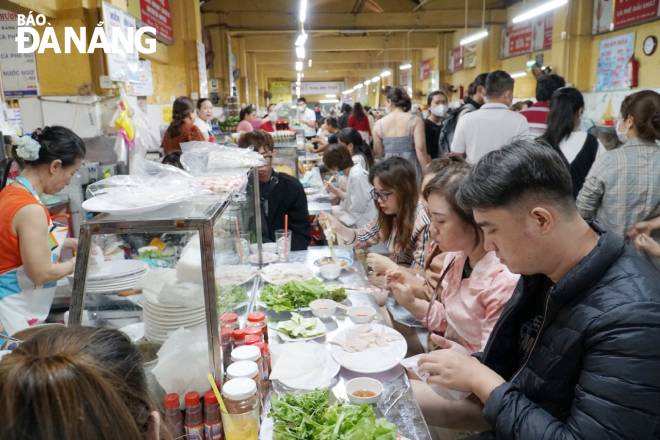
(297, 294)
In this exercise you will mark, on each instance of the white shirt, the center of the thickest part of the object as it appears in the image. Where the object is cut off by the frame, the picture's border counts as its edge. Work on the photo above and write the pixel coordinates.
(358, 208)
(487, 129)
(204, 127)
(572, 145)
(308, 116)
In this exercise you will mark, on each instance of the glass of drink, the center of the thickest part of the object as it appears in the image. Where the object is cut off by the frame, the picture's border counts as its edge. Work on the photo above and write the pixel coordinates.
(241, 426)
(283, 242)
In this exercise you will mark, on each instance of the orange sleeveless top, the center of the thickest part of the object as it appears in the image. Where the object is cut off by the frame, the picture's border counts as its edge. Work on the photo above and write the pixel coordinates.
(12, 199)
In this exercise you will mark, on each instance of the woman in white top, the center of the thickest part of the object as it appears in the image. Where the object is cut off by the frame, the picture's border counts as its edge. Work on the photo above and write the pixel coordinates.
(360, 152)
(563, 134)
(204, 116)
(356, 208)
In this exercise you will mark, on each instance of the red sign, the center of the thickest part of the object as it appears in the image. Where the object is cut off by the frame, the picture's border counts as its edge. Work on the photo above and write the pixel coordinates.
(629, 12)
(425, 69)
(156, 13)
(457, 59)
(547, 33)
(520, 39)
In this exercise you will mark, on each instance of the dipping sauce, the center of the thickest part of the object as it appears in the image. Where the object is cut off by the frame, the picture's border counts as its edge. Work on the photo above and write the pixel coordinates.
(363, 393)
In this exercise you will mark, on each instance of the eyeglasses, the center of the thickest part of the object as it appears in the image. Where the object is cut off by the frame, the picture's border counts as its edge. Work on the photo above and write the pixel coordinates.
(380, 195)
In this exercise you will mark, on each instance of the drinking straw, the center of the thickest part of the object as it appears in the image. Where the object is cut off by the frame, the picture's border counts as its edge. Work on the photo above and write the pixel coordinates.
(286, 235)
(214, 387)
(238, 240)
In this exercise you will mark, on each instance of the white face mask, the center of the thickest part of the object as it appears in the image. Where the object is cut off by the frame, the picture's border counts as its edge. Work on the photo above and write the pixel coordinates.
(439, 110)
(302, 107)
(621, 133)
(272, 116)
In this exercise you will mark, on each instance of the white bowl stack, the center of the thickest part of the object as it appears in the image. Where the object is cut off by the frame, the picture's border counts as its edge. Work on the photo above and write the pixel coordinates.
(160, 320)
(114, 276)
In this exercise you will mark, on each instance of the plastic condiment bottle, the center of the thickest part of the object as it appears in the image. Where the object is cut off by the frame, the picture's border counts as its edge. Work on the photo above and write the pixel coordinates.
(247, 369)
(238, 336)
(258, 319)
(194, 422)
(227, 345)
(240, 396)
(250, 353)
(229, 320)
(265, 358)
(212, 420)
(173, 414)
(254, 331)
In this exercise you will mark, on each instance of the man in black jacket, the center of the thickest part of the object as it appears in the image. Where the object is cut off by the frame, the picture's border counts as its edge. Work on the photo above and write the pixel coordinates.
(281, 195)
(576, 352)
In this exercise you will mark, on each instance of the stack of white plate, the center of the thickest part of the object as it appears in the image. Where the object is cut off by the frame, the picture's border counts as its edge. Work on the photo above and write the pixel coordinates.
(114, 276)
(160, 320)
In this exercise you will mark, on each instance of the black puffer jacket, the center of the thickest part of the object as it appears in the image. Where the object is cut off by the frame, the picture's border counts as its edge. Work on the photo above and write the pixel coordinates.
(594, 372)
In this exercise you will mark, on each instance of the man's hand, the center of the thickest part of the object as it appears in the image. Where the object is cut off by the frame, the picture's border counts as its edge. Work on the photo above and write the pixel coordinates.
(460, 372)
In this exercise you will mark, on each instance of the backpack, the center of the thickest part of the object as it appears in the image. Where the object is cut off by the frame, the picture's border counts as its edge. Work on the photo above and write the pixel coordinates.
(449, 127)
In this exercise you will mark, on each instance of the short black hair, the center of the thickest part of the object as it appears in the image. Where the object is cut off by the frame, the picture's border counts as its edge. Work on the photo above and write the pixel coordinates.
(302, 98)
(346, 108)
(546, 86)
(247, 110)
(523, 168)
(433, 94)
(480, 80)
(55, 143)
(201, 101)
(331, 122)
(498, 83)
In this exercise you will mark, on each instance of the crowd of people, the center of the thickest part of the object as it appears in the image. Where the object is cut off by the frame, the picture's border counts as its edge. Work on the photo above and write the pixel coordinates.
(542, 246)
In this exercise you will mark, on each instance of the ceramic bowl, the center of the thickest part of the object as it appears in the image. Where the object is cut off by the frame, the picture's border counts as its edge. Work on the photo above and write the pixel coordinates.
(365, 385)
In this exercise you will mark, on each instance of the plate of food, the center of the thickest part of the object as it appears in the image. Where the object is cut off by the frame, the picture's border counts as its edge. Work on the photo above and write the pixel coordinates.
(296, 295)
(343, 262)
(299, 328)
(233, 275)
(266, 258)
(281, 273)
(368, 348)
(303, 365)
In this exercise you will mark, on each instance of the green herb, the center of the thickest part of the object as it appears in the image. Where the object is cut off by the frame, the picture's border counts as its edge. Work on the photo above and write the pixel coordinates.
(300, 327)
(310, 417)
(230, 298)
(297, 294)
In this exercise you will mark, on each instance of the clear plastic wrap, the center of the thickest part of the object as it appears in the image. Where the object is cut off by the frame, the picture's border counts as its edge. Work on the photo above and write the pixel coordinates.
(208, 159)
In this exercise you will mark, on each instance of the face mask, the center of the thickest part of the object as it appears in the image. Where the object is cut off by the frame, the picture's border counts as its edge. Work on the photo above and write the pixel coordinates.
(439, 110)
(272, 117)
(302, 107)
(621, 133)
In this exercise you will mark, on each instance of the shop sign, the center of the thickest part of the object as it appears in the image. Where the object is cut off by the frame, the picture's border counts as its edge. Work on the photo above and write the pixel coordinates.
(543, 33)
(520, 39)
(154, 13)
(18, 70)
(280, 91)
(526, 38)
(122, 65)
(613, 56)
(602, 18)
(145, 84)
(456, 59)
(630, 12)
(425, 69)
(319, 88)
(470, 56)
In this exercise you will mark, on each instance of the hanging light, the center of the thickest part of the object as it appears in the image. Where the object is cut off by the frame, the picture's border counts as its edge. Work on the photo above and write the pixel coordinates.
(406, 66)
(299, 66)
(309, 63)
(329, 101)
(367, 82)
(519, 74)
(474, 37)
(358, 86)
(301, 39)
(375, 79)
(302, 11)
(298, 76)
(300, 52)
(538, 10)
(385, 73)
(330, 95)
(347, 92)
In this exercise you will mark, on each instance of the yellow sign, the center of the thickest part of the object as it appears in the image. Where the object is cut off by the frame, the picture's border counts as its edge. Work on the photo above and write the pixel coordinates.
(167, 113)
(280, 91)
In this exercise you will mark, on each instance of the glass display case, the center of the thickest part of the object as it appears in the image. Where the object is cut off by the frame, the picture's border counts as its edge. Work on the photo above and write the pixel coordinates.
(286, 160)
(181, 266)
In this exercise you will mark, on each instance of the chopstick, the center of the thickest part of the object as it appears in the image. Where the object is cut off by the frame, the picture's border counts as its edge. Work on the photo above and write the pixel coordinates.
(434, 297)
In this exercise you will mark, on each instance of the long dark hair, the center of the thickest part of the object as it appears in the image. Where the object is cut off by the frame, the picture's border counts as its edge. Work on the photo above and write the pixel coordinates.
(350, 135)
(358, 111)
(245, 111)
(398, 175)
(565, 105)
(181, 109)
(71, 383)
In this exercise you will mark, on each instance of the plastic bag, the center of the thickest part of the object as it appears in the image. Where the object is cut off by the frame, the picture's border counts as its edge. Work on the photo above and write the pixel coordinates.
(207, 159)
(183, 362)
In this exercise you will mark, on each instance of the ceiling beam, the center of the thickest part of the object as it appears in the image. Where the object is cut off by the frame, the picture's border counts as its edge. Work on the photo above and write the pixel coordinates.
(284, 43)
(447, 19)
(336, 57)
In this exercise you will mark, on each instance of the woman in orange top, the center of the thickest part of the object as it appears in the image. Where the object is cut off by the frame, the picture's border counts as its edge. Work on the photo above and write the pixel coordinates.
(182, 128)
(29, 251)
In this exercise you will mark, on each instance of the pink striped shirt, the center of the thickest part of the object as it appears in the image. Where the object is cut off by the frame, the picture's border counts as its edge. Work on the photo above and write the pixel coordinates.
(537, 117)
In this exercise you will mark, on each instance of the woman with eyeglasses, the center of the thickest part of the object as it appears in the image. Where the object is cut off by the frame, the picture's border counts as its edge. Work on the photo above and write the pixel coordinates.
(402, 222)
(473, 291)
(355, 208)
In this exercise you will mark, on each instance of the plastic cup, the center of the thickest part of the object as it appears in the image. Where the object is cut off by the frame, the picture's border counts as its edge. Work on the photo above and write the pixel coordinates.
(283, 242)
(241, 426)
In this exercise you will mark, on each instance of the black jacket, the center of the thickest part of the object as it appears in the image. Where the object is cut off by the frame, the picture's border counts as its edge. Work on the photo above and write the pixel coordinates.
(285, 195)
(594, 373)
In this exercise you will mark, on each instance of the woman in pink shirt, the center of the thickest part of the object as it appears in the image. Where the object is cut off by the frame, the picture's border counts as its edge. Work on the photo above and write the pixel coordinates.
(476, 287)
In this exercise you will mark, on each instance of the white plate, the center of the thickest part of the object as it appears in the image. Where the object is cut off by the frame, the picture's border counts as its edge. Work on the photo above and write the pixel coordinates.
(134, 331)
(308, 365)
(281, 273)
(319, 326)
(108, 203)
(114, 269)
(235, 275)
(169, 322)
(372, 360)
(266, 258)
